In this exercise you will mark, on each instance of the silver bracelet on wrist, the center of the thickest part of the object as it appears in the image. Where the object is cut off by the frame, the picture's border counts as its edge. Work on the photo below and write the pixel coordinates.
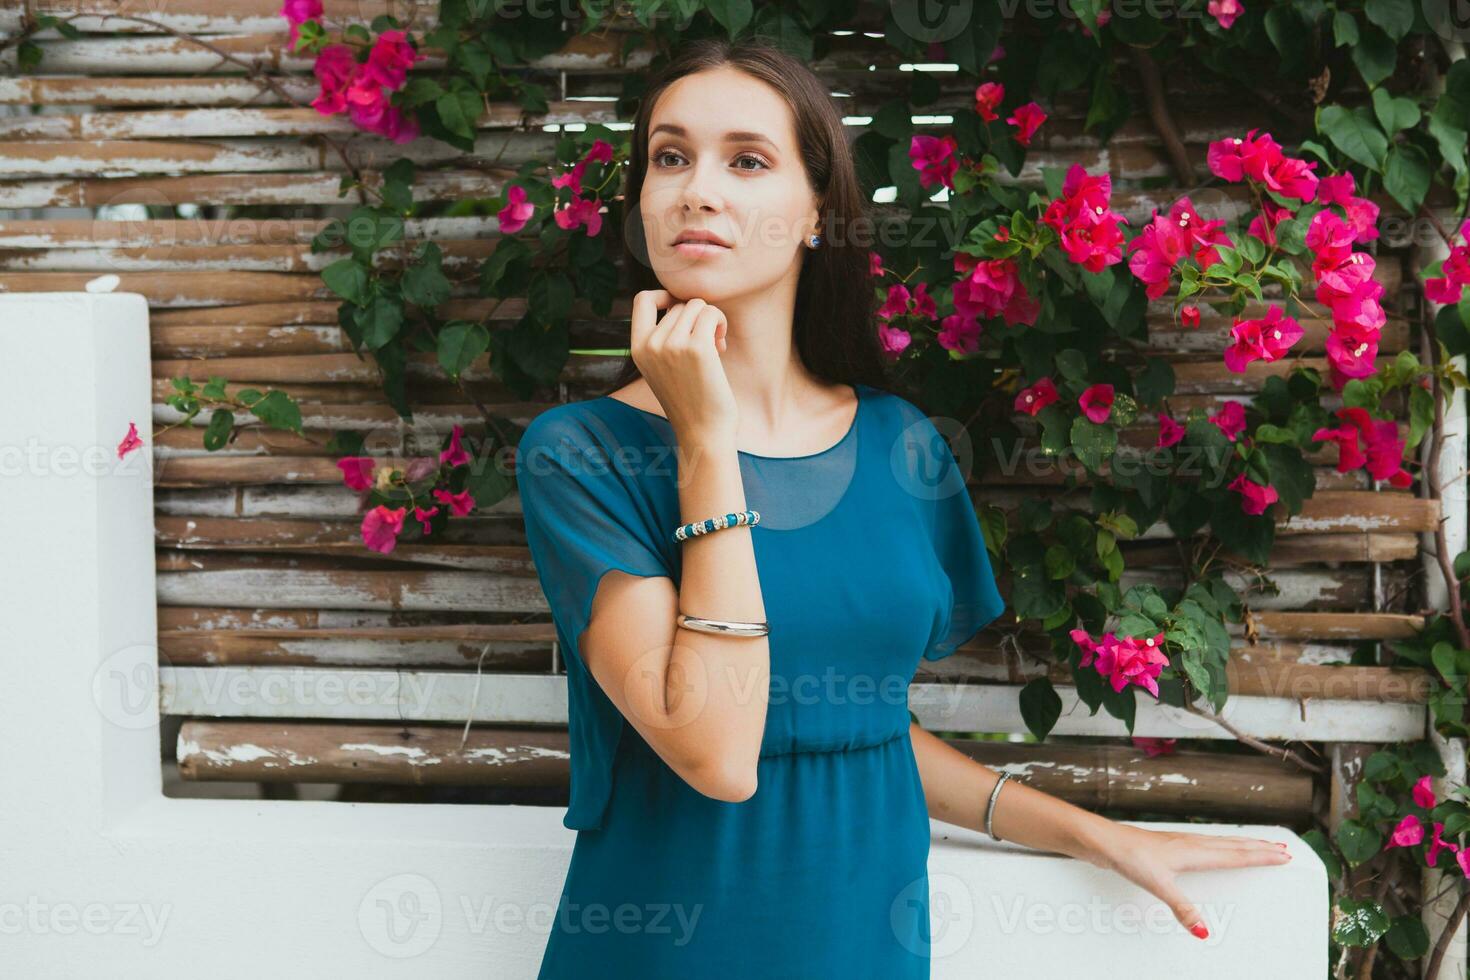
(990, 807)
(724, 626)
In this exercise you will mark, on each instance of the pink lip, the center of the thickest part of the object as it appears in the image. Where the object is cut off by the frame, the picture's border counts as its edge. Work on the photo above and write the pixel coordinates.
(697, 249)
(700, 238)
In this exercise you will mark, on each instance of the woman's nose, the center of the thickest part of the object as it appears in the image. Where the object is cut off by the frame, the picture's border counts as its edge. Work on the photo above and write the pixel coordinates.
(700, 193)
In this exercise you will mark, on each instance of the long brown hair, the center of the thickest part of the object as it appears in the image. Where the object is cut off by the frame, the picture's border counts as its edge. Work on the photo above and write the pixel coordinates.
(835, 332)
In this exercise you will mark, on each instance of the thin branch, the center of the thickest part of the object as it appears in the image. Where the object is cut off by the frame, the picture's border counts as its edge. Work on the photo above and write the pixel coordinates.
(1158, 110)
(1286, 755)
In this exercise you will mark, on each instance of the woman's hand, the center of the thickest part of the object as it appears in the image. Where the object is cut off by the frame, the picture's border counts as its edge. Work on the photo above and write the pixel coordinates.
(1151, 859)
(679, 356)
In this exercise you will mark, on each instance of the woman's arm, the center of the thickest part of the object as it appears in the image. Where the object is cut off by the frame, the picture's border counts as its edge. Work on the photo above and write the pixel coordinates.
(957, 790)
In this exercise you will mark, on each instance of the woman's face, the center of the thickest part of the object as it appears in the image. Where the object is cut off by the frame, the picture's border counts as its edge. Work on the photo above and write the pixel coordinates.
(724, 165)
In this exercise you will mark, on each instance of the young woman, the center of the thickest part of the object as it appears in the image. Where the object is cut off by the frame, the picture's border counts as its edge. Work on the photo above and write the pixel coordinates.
(750, 796)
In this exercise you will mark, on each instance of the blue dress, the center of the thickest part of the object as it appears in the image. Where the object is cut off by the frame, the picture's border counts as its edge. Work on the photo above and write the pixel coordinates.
(870, 558)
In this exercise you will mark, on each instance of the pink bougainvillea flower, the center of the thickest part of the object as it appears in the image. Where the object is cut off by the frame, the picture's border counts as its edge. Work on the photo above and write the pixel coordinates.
(1348, 438)
(1408, 833)
(1027, 119)
(601, 152)
(1265, 339)
(1235, 159)
(455, 455)
(960, 334)
(1230, 419)
(990, 288)
(1254, 497)
(1002, 234)
(130, 441)
(357, 472)
(334, 68)
(581, 212)
(381, 527)
(1330, 240)
(425, 517)
(1129, 660)
(1362, 214)
(298, 12)
(1383, 450)
(935, 158)
(1443, 290)
(896, 303)
(1170, 432)
(1352, 352)
(572, 179)
(1423, 793)
(1165, 241)
(893, 340)
(1189, 316)
(460, 504)
(875, 264)
(517, 210)
(1291, 177)
(1155, 746)
(1033, 399)
(923, 305)
(1084, 222)
(390, 59)
(1097, 402)
(1263, 225)
(1437, 844)
(1462, 858)
(988, 98)
(1225, 11)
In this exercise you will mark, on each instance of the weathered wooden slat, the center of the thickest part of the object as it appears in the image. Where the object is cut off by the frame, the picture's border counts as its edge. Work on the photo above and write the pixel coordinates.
(461, 259)
(268, 587)
(507, 647)
(1263, 676)
(133, 158)
(1093, 776)
(996, 708)
(297, 752)
(209, 16)
(217, 232)
(511, 699)
(233, 188)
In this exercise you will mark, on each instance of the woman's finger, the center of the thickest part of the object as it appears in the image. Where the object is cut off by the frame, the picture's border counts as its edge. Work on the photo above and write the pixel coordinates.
(1184, 910)
(1203, 856)
(692, 310)
(708, 328)
(646, 305)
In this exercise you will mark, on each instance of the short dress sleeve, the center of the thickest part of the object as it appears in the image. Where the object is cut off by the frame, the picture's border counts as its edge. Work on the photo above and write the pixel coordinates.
(959, 544)
(584, 517)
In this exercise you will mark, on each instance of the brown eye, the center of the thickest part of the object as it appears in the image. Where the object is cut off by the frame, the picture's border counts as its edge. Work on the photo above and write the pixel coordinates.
(659, 157)
(749, 158)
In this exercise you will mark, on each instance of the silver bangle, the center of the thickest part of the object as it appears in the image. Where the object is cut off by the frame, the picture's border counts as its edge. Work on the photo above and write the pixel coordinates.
(724, 626)
(990, 807)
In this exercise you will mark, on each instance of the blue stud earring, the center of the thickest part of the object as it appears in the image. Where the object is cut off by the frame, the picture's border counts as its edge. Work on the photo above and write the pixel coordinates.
(814, 241)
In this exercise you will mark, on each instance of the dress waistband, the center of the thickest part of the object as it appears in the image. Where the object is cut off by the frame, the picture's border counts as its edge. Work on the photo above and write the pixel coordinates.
(846, 743)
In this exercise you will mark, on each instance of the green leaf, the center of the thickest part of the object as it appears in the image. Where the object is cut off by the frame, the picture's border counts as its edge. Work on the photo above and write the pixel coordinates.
(347, 279)
(1375, 55)
(380, 321)
(1407, 937)
(1041, 706)
(1407, 176)
(1358, 843)
(732, 15)
(278, 411)
(460, 343)
(424, 284)
(1394, 16)
(1355, 133)
(217, 433)
(1344, 29)
(459, 111)
(549, 298)
(1358, 922)
(1394, 114)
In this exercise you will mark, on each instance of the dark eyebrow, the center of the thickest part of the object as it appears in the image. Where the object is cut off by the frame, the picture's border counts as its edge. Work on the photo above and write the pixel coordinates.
(732, 137)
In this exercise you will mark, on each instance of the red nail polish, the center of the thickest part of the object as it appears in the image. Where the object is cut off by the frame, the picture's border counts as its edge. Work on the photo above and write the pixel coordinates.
(1199, 930)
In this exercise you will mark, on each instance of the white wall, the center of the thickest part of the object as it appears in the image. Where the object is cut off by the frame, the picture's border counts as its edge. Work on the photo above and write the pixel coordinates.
(100, 875)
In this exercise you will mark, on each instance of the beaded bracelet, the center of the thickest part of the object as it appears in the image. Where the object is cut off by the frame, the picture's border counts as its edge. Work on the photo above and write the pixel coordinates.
(717, 524)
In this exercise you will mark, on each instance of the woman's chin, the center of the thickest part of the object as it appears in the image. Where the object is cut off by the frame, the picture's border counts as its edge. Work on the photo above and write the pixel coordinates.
(686, 285)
